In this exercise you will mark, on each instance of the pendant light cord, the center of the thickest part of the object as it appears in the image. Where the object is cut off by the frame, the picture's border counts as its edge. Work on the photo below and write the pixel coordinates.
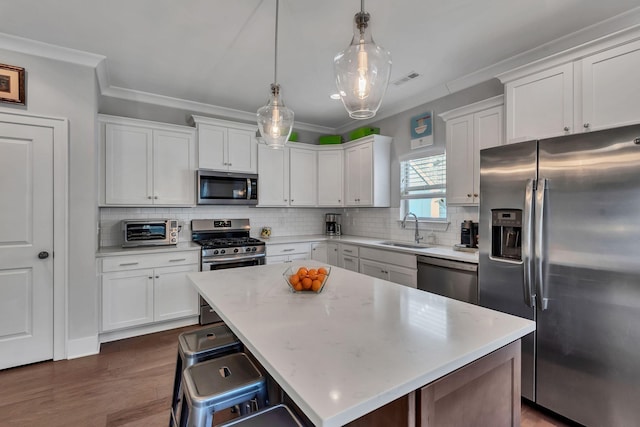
(362, 6)
(275, 60)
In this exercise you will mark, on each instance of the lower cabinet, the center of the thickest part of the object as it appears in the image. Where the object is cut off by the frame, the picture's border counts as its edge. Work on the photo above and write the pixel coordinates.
(348, 257)
(332, 254)
(319, 252)
(389, 265)
(145, 289)
(286, 252)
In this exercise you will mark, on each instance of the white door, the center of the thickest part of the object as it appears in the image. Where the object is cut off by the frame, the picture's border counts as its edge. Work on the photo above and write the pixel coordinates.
(273, 169)
(302, 179)
(352, 176)
(26, 244)
(212, 141)
(460, 160)
(330, 177)
(173, 295)
(241, 151)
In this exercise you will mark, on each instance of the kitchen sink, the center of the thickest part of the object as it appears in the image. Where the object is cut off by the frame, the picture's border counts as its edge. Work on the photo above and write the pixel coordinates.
(405, 245)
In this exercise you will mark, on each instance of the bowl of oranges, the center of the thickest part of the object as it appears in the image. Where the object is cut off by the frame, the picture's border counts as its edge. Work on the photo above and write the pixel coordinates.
(303, 279)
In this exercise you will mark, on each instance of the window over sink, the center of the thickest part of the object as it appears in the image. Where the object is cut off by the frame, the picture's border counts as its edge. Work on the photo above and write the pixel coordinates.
(423, 187)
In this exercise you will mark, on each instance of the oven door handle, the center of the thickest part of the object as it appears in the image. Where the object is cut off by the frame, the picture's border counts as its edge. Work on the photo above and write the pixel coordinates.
(233, 258)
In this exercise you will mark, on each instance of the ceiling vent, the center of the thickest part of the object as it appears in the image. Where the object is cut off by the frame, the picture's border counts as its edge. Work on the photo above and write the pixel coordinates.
(402, 80)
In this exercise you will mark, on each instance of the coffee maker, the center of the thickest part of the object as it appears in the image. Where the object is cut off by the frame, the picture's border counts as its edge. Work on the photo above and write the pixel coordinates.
(333, 226)
(469, 234)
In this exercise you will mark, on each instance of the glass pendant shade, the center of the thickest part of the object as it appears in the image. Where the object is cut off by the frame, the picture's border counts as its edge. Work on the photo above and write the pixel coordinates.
(362, 71)
(275, 120)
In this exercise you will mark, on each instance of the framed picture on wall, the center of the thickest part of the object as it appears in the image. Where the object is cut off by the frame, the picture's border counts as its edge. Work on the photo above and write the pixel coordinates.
(12, 84)
(422, 130)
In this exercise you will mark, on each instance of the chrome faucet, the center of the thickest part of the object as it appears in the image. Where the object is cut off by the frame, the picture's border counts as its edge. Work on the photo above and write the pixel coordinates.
(404, 224)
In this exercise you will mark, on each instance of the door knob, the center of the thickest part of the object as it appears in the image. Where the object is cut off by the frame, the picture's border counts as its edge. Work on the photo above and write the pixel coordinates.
(43, 255)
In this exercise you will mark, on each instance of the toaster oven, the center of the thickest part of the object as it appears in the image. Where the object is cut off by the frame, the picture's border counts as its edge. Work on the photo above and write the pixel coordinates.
(149, 232)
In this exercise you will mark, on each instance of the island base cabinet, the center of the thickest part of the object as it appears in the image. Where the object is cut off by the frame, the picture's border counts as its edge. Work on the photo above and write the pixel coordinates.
(483, 393)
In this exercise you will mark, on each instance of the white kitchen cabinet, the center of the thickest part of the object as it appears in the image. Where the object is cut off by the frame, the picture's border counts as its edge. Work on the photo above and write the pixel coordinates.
(470, 129)
(368, 172)
(540, 105)
(145, 289)
(146, 163)
(127, 299)
(594, 89)
(330, 178)
(319, 252)
(348, 257)
(226, 146)
(273, 176)
(611, 88)
(393, 266)
(303, 177)
(286, 252)
(332, 253)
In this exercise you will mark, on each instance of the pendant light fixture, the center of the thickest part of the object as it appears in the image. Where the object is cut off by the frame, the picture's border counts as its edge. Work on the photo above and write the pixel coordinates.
(362, 71)
(275, 120)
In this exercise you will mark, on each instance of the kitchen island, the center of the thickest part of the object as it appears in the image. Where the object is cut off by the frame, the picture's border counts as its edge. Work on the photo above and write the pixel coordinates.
(364, 343)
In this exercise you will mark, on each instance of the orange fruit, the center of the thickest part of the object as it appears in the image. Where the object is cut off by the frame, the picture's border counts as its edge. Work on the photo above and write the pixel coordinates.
(306, 283)
(297, 286)
(321, 278)
(294, 279)
(322, 270)
(313, 272)
(302, 272)
(316, 285)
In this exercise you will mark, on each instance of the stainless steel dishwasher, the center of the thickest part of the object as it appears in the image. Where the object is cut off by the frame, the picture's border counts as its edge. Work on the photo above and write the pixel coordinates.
(453, 279)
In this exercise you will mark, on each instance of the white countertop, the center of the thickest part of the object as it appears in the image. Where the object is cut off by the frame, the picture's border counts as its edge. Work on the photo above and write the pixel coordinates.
(445, 252)
(119, 250)
(358, 345)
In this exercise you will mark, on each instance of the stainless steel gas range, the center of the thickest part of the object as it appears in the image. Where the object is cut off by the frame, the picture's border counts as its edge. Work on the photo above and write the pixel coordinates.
(225, 244)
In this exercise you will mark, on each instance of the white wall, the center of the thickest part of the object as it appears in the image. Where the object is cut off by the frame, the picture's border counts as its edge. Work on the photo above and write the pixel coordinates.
(59, 89)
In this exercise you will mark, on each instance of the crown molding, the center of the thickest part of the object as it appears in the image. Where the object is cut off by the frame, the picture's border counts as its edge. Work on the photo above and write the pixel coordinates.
(46, 50)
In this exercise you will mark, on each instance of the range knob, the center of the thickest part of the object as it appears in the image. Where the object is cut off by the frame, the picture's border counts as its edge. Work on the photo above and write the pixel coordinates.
(235, 250)
(253, 249)
(248, 250)
(222, 251)
(215, 252)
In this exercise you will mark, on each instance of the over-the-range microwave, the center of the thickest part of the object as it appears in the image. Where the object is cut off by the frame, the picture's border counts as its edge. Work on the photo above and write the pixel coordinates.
(226, 188)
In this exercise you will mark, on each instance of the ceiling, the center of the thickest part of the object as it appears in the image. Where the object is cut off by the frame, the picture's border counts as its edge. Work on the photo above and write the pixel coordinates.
(220, 53)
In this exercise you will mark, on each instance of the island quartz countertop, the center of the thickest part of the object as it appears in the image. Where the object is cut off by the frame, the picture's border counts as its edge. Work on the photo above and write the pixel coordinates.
(359, 344)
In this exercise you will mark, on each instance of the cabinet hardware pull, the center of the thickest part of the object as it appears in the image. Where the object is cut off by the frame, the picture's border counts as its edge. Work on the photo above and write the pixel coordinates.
(177, 260)
(230, 164)
(475, 195)
(149, 197)
(128, 263)
(566, 128)
(155, 197)
(586, 125)
(157, 277)
(288, 250)
(150, 277)
(468, 195)
(347, 250)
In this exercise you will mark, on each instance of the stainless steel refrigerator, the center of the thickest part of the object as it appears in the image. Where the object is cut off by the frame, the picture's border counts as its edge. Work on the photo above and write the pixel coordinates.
(559, 240)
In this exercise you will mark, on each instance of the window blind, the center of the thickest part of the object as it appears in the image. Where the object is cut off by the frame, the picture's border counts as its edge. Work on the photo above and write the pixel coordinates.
(425, 177)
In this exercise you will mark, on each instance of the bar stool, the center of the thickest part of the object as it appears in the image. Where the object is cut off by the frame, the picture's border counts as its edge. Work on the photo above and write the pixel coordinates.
(198, 346)
(279, 415)
(218, 384)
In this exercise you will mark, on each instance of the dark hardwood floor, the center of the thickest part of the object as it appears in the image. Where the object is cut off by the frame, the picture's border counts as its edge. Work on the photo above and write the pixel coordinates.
(128, 384)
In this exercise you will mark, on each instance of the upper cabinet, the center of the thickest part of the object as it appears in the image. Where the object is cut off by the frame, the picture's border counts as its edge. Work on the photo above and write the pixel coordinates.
(470, 129)
(146, 163)
(273, 176)
(330, 177)
(303, 177)
(594, 90)
(368, 172)
(226, 146)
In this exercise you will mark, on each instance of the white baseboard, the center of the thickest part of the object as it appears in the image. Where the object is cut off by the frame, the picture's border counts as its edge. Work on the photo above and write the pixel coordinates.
(147, 329)
(81, 347)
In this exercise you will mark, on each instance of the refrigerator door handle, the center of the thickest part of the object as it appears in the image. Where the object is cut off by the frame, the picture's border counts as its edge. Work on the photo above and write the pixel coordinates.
(541, 195)
(527, 244)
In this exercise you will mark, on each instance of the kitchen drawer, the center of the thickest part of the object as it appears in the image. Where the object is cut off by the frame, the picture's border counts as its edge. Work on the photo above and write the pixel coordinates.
(349, 250)
(288, 249)
(389, 257)
(164, 259)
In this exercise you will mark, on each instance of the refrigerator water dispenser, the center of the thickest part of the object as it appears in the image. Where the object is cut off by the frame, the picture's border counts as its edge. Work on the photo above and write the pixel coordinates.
(506, 234)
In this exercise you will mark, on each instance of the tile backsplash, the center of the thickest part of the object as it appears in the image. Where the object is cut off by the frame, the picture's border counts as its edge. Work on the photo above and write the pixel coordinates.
(381, 223)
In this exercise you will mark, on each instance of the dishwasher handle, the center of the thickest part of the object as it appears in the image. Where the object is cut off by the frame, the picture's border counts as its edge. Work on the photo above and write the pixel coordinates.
(455, 265)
